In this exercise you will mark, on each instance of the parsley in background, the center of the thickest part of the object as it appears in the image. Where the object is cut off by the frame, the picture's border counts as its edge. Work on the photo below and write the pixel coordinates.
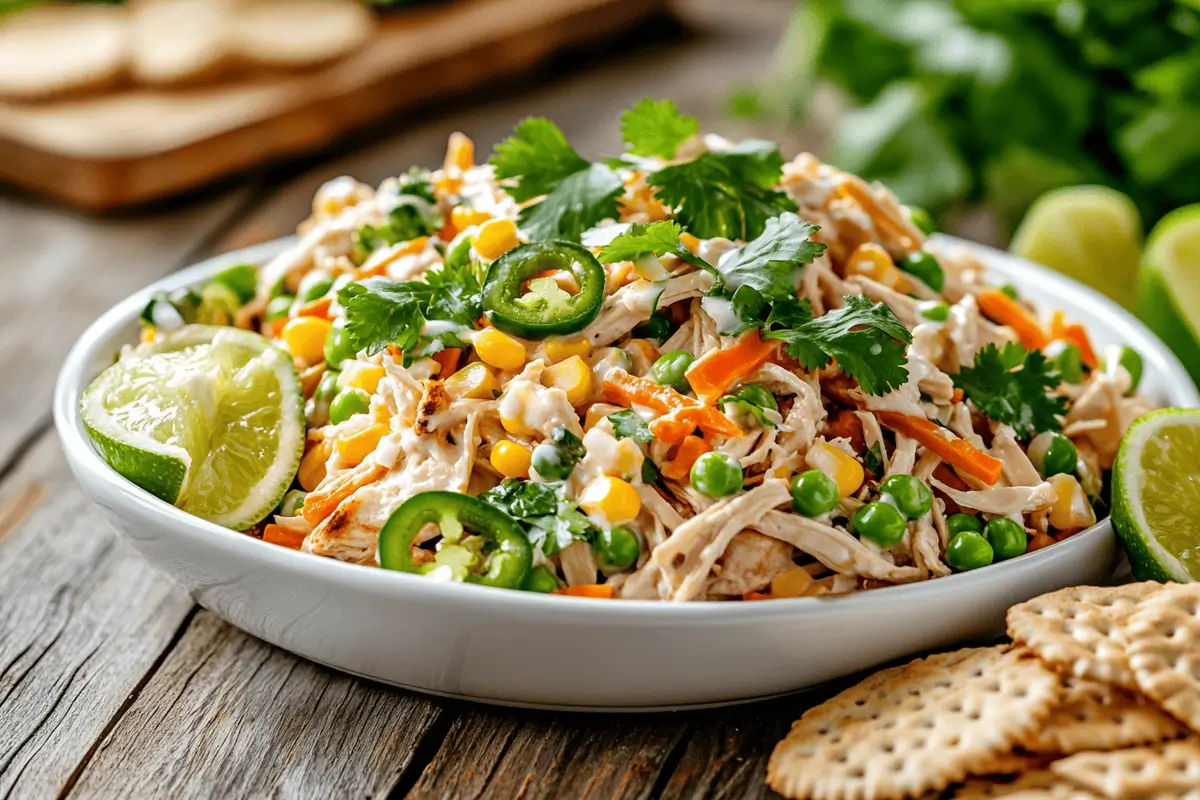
(1013, 385)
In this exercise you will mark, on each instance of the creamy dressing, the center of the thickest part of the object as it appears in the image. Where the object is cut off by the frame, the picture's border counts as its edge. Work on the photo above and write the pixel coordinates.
(721, 312)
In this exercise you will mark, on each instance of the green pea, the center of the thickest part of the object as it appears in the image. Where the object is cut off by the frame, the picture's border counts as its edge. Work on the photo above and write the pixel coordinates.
(1067, 360)
(551, 463)
(1009, 291)
(337, 344)
(910, 495)
(926, 267)
(1132, 362)
(669, 370)
(757, 395)
(347, 403)
(658, 328)
(541, 579)
(242, 279)
(314, 286)
(293, 501)
(957, 523)
(617, 549)
(1007, 538)
(279, 307)
(935, 312)
(717, 475)
(969, 550)
(1052, 453)
(814, 493)
(922, 220)
(327, 389)
(879, 522)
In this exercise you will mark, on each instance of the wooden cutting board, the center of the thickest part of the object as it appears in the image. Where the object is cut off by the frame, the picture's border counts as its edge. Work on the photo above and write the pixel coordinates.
(132, 146)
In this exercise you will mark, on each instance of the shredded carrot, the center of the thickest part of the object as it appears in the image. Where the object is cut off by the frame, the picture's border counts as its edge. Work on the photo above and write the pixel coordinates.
(319, 505)
(957, 396)
(954, 451)
(447, 361)
(601, 591)
(713, 373)
(316, 308)
(1040, 540)
(448, 231)
(376, 267)
(1000, 308)
(283, 536)
(846, 424)
(690, 449)
(275, 327)
(677, 424)
(757, 596)
(1075, 334)
(627, 390)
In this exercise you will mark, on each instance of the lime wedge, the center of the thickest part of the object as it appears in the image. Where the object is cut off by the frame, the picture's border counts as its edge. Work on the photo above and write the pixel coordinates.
(1156, 495)
(1090, 233)
(1169, 286)
(208, 418)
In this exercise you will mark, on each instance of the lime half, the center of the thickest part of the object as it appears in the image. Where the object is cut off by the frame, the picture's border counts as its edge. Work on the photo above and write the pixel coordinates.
(1156, 495)
(1170, 285)
(1090, 233)
(208, 418)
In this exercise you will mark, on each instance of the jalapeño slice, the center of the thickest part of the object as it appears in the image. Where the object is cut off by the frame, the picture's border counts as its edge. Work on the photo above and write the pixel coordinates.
(517, 301)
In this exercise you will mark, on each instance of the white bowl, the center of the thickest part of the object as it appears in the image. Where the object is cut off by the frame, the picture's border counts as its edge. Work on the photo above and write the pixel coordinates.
(535, 650)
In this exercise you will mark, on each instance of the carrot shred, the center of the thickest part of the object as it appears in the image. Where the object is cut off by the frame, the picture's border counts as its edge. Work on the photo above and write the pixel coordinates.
(846, 424)
(627, 390)
(283, 536)
(319, 505)
(757, 596)
(379, 267)
(954, 451)
(713, 373)
(275, 327)
(957, 396)
(602, 591)
(1000, 308)
(690, 449)
(316, 308)
(1075, 334)
(680, 423)
(1040, 540)
(447, 360)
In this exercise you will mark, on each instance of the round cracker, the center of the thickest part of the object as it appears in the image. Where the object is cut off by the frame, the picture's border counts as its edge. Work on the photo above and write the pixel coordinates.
(1077, 630)
(181, 41)
(1036, 785)
(914, 728)
(1164, 651)
(300, 33)
(1097, 716)
(54, 50)
(1159, 771)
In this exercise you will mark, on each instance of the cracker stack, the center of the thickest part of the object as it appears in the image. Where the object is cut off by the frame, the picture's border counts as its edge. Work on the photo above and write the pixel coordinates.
(1098, 698)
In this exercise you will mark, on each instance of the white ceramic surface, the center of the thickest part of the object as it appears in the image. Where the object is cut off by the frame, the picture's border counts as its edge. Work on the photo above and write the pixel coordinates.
(528, 649)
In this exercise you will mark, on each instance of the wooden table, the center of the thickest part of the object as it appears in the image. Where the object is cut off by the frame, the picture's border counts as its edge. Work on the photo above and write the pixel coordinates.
(115, 684)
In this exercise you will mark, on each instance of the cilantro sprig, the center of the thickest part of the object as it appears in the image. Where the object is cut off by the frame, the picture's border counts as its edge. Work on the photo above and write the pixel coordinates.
(412, 214)
(865, 338)
(657, 238)
(551, 521)
(1013, 385)
(656, 128)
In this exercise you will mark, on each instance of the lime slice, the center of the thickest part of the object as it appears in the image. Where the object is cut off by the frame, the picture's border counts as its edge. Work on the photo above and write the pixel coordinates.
(1156, 495)
(1090, 233)
(208, 418)
(1169, 286)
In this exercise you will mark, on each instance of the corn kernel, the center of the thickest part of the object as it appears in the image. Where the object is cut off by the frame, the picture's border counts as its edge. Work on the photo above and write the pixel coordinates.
(846, 472)
(474, 380)
(147, 334)
(562, 349)
(500, 350)
(1071, 510)
(312, 466)
(355, 448)
(495, 238)
(628, 459)
(611, 498)
(367, 378)
(573, 376)
(512, 411)
(796, 582)
(511, 459)
(690, 242)
(463, 217)
(597, 412)
(305, 338)
(460, 152)
(872, 261)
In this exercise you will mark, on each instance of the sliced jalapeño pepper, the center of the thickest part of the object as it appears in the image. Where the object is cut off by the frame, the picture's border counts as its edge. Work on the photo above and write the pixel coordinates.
(519, 302)
(503, 560)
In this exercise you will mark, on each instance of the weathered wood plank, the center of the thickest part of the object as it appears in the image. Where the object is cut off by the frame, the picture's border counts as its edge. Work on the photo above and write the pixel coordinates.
(227, 715)
(507, 753)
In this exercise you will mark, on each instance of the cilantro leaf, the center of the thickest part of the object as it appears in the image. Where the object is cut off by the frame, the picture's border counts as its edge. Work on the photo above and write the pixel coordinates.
(579, 201)
(628, 425)
(1013, 386)
(864, 337)
(537, 156)
(657, 238)
(771, 262)
(656, 128)
(412, 216)
(550, 520)
(725, 193)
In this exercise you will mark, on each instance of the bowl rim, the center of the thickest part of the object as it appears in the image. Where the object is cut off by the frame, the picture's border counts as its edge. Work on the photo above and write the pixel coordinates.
(91, 470)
